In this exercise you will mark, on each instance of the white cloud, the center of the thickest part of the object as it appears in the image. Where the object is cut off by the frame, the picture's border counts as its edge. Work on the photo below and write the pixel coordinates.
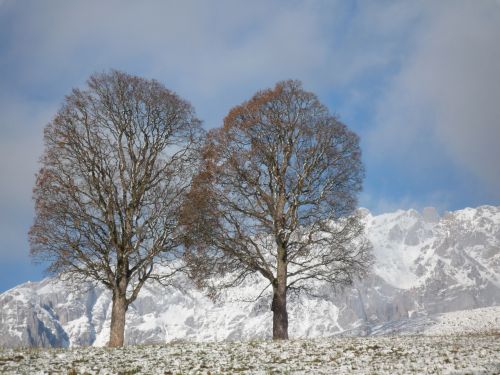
(219, 51)
(444, 103)
(378, 205)
(21, 145)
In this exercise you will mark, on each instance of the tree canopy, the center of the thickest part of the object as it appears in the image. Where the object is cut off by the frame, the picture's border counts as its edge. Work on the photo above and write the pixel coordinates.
(276, 195)
(119, 158)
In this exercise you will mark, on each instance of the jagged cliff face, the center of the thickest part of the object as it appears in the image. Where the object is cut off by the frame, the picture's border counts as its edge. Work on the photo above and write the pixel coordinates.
(425, 264)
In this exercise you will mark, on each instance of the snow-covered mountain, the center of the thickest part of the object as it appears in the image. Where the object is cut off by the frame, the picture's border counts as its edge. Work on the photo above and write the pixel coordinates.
(426, 265)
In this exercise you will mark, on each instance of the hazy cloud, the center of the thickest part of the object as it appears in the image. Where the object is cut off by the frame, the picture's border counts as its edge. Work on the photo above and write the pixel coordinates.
(443, 106)
(384, 204)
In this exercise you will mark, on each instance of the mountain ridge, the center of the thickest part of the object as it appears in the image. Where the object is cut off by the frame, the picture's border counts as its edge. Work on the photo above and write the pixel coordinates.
(426, 264)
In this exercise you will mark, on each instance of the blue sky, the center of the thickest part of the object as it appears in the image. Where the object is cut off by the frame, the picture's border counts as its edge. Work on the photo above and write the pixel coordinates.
(418, 81)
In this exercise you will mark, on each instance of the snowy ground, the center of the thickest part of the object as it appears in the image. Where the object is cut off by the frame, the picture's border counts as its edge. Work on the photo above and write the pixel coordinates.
(466, 354)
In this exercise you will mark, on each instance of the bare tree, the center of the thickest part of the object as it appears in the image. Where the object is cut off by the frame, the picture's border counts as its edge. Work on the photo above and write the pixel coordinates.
(276, 196)
(118, 161)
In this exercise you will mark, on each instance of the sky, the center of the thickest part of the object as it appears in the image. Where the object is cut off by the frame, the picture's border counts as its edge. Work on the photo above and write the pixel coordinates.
(419, 82)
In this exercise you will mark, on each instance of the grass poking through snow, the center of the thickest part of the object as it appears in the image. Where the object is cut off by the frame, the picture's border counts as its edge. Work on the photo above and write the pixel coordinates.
(471, 354)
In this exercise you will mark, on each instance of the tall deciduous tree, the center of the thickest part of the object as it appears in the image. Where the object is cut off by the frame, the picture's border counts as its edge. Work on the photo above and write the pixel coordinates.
(276, 196)
(118, 161)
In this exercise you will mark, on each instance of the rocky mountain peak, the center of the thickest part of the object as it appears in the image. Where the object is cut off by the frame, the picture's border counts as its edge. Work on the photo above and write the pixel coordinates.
(425, 264)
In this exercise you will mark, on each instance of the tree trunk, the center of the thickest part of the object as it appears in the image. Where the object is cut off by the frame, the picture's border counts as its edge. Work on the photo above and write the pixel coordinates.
(118, 311)
(280, 314)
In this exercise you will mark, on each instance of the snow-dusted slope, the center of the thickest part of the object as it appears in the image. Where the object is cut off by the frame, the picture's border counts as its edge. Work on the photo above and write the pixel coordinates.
(481, 321)
(425, 265)
(444, 264)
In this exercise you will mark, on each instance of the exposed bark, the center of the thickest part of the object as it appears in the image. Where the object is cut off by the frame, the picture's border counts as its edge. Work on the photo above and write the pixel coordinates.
(276, 196)
(117, 164)
(280, 314)
(278, 306)
(118, 313)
